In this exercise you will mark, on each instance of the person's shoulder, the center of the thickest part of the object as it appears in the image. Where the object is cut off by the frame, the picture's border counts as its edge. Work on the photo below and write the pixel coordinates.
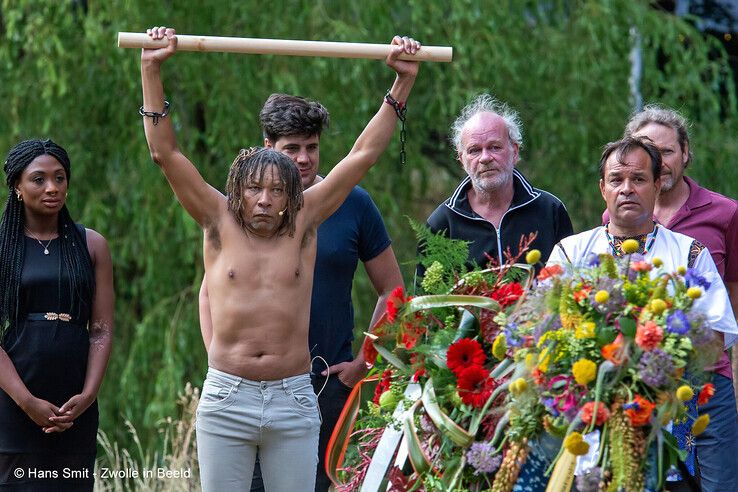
(547, 197)
(716, 198)
(358, 195)
(439, 217)
(581, 236)
(543, 197)
(94, 238)
(675, 236)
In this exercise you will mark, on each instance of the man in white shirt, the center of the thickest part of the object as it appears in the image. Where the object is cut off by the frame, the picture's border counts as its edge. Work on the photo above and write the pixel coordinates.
(630, 182)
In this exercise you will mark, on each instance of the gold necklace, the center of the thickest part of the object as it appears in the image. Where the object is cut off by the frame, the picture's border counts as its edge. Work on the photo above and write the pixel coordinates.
(46, 246)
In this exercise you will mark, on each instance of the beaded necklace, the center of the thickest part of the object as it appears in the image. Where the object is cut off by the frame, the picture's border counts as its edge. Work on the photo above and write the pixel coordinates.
(617, 252)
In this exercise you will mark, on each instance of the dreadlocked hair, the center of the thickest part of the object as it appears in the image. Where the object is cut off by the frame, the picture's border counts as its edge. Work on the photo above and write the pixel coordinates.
(250, 166)
(74, 254)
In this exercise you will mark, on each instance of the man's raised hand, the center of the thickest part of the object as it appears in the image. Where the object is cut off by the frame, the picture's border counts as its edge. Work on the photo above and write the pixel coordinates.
(158, 55)
(400, 45)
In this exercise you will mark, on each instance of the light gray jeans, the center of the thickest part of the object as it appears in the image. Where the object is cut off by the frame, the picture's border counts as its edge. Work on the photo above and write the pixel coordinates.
(237, 418)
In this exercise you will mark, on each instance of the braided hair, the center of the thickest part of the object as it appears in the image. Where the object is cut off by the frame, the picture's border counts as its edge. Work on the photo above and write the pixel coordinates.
(74, 253)
(251, 165)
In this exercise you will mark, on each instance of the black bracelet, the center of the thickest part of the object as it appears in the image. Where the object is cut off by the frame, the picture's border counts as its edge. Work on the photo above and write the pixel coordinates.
(400, 108)
(401, 111)
(153, 114)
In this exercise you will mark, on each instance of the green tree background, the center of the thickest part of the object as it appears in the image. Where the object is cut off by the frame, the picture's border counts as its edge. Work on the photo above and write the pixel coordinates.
(563, 64)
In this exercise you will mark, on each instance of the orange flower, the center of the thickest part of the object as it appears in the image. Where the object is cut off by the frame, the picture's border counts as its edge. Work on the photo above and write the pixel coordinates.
(614, 351)
(641, 266)
(538, 377)
(550, 271)
(582, 294)
(639, 411)
(649, 335)
(588, 411)
(705, 394)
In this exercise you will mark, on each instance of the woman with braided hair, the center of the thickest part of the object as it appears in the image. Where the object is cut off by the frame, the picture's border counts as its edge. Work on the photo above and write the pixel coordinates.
(56, 324)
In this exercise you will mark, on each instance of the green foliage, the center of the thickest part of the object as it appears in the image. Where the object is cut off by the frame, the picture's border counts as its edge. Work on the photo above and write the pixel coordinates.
(563, 65)
(444, 259)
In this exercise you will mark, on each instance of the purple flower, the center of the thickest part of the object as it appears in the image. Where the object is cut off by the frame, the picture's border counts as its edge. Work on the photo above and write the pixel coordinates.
(511, 335)
(677, 322)
(480, 456)
(655, 367)
(693, 277)
(593, 260)
(632, 404)
(550, 403)
(700, 332)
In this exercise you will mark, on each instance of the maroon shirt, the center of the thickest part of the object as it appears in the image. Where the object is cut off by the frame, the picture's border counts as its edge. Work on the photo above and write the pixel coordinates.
(712, 219)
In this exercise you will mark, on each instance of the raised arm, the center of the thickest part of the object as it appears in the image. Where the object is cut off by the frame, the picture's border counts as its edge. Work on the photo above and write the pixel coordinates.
(322, 199)
(202, 201)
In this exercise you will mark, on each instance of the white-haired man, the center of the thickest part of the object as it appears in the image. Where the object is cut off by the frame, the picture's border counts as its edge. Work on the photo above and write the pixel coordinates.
(494, 206)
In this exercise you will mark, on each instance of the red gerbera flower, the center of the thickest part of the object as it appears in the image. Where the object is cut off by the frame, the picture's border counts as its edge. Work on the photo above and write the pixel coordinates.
(394, 301)
(507, 294)
(475, 386)
(464, 353)
(705, 394)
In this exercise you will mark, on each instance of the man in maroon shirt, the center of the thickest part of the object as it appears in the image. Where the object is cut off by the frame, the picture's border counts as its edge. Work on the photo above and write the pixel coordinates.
(686, 207)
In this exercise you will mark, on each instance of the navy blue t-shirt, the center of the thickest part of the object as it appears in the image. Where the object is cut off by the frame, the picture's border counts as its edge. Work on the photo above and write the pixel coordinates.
(354, 232)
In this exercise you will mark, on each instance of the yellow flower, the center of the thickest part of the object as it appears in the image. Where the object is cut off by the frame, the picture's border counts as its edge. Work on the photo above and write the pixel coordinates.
(575, 444)
(585, 330)
(684, 393)
(630, 246)
(602, 296)
(694, 292)
(533, 257)
(518, 386)
(657, 262)
(499, 347)
(543, 359)
(585, 371)
(529, 361)
(700, 424)
(681, 270)
(521, 384)
(658, 306)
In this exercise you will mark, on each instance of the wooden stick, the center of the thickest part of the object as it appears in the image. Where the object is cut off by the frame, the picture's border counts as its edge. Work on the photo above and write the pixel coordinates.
(283, 47)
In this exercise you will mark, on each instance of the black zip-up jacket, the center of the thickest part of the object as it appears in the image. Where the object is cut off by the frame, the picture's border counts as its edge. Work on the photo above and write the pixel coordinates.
(531, 210)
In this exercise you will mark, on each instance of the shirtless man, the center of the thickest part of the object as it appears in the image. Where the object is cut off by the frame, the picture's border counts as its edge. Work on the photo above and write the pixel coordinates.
(257, 394)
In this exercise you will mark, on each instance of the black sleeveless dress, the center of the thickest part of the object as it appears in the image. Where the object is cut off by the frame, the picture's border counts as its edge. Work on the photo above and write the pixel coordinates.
(50, 356)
